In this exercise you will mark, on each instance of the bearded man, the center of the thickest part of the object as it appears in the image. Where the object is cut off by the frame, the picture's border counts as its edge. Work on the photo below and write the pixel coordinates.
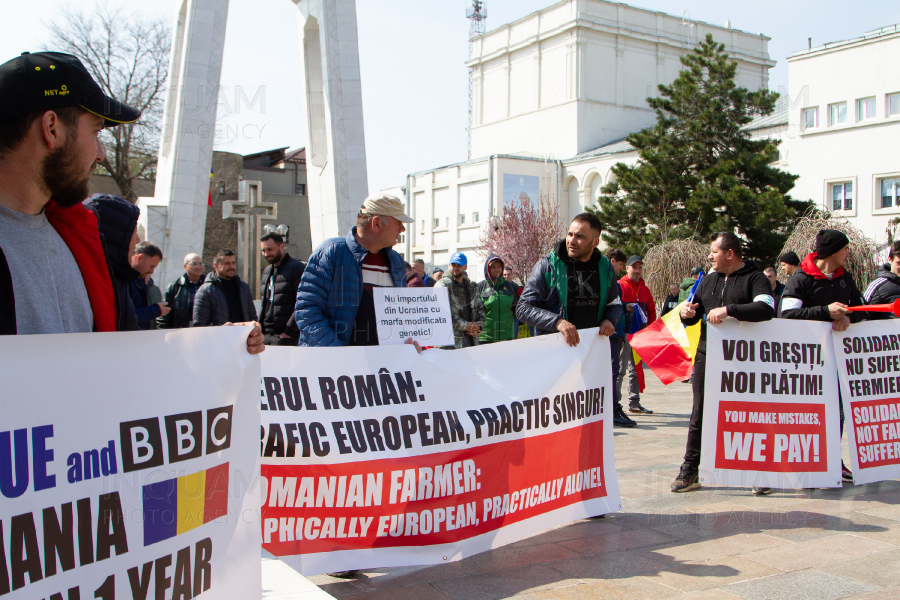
(54, 277)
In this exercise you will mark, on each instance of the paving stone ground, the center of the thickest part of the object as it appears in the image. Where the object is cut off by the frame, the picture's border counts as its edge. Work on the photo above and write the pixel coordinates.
(712, 543)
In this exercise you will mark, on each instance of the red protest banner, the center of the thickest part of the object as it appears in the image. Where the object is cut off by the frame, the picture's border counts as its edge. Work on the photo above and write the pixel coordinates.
(429, 499)
(771, 436)
(876, 425)
(868, 364)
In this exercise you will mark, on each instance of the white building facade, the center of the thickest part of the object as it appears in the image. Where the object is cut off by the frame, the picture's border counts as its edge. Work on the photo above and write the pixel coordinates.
(843, 134)
(576, 75)
(557, 91)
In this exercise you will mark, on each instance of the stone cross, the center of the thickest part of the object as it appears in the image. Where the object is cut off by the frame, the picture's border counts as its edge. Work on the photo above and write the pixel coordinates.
(250, 211)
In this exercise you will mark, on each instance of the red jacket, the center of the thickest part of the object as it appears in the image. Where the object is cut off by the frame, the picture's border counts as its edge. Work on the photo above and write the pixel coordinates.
(639, 293)
(77, 226)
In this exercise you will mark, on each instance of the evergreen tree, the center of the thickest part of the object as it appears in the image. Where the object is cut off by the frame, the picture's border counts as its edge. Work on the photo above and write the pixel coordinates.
(698, 170)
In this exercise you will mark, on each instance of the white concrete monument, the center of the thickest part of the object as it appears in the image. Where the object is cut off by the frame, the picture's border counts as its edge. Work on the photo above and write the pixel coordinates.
(186, 141)
(335, 146)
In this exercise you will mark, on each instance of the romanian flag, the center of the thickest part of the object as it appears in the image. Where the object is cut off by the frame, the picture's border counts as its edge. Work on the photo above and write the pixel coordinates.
(178, 505)
(667, 346)
(209, 193)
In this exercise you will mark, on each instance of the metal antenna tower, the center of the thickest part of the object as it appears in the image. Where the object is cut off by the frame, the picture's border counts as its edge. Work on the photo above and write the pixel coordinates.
(476, 15)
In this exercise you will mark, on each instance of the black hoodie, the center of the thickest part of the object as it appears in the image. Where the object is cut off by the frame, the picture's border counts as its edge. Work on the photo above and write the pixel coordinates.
(884, 289)
(746, 293)
(117, 219)
(808, 293)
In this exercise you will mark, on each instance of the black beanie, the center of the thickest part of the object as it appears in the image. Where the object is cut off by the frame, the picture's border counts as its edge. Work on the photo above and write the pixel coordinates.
(829, 241)
(790, 258)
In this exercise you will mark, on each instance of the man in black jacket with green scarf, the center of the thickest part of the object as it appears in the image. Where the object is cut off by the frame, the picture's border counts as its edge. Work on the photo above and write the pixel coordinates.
(573, 287)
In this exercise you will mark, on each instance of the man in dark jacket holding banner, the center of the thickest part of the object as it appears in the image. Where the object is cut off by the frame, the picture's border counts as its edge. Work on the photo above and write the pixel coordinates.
(821, 290)
(573, 287)
(734, 289)
(223, 297)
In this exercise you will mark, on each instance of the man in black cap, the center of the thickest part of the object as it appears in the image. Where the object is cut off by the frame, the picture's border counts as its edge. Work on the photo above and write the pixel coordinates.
(789, 262)
(54, 277)
(821, 290)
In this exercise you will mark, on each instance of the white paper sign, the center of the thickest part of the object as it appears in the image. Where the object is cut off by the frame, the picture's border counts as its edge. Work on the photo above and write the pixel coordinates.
(770, 411)
(868, 364)
(129, 465)
(420, 314)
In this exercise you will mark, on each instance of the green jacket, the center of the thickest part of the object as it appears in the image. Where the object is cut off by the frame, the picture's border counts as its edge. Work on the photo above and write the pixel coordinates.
(499, 310)
(457, 292)
(685, 288)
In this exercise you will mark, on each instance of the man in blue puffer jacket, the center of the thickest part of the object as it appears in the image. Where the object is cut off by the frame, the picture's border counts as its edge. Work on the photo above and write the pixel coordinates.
(335, 306)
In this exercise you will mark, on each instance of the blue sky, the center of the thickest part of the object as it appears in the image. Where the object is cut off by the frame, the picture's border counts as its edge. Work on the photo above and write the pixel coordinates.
(415, 85)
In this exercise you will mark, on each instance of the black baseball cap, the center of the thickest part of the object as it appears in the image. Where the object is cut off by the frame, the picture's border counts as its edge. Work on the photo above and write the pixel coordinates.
(634, 258)
(47, 80)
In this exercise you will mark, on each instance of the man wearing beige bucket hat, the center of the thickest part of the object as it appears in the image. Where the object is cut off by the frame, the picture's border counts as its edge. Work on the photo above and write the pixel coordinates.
(335, 306)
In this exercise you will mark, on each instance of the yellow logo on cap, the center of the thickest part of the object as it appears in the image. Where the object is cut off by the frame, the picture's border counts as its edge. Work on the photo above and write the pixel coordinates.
(37, 68)
(62, 91)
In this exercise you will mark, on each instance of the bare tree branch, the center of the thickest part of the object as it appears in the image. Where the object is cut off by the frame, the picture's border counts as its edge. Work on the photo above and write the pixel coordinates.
(128, 56)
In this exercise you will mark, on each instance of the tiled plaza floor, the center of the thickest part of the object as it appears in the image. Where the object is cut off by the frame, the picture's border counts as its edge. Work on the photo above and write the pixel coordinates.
(711, 543)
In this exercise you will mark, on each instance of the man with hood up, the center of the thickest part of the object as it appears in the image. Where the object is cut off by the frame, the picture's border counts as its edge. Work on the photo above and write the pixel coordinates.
(500, 299)
(117, 220)
(885, 288)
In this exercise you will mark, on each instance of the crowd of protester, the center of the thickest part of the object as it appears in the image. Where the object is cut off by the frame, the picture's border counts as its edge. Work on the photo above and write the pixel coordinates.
(70, 264)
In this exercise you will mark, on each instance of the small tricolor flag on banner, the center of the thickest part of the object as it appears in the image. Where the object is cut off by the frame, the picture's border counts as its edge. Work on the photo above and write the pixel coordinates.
(178, 505)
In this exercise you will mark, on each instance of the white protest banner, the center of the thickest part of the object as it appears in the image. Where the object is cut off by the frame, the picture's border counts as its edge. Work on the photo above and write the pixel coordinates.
(126, 461)
(420, 314)
(868, 358)
(770, 412)
(380, 457)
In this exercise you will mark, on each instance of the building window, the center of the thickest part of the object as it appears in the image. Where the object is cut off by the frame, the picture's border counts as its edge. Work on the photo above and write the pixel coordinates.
(893, 105)
(810, 117)
(401, 238)
(842, 196)
(475, 217)
(437, 223)
(462, 219)
(890, 190)
(837, 113)
(423, 228)
(301, 189)
(865, 109)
